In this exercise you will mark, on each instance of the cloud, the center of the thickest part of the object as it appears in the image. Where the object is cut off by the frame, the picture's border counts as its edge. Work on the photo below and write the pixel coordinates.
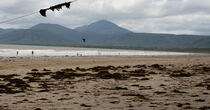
(156, 16)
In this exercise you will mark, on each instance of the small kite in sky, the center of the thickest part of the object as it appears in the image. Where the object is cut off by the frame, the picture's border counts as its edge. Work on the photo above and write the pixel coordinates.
(84, 40)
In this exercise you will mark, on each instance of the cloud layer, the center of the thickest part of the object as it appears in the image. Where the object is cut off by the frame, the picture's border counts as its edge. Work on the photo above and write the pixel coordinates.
(156, 16)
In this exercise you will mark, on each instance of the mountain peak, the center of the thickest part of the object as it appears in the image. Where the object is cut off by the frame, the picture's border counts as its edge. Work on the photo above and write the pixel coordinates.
(48, 26)
(103, 22)
(103, 27)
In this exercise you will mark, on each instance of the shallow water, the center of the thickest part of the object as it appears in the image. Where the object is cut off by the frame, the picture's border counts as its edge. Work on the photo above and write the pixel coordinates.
(26, 51)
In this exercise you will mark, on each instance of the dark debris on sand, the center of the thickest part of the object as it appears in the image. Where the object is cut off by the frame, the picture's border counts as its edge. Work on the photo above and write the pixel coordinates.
(103, 68)
(204, 83)
(180, 73)
(8, 77)
(66, 75)
(158, 67)
(108, 75)
(14, 86)
(139, 77)
(137, 96)
(35, 70)
(202, 69)
(39, 74)
(140, 66)
(100, 72)
(138, 73)
(180, 92)
(205, 108)
(85, 105)
(160, 92)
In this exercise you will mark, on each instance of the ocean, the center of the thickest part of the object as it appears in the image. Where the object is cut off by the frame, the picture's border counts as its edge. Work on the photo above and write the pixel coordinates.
(47, 51)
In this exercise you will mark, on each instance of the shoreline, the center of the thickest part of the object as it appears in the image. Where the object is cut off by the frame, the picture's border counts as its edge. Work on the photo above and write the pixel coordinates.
(185, 50)
(105, 56)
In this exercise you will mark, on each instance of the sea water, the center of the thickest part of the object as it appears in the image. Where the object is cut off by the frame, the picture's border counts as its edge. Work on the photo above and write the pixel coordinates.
(42, 51)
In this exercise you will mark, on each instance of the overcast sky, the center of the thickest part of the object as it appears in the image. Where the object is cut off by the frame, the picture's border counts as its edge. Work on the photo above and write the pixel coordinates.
(156, 16)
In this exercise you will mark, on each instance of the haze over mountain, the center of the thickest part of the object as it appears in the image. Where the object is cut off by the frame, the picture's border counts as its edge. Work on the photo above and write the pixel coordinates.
(100, 33)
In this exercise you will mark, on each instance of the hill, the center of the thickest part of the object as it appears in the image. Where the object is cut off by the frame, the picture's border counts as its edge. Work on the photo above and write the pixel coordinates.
(3, 31)
(42, 34)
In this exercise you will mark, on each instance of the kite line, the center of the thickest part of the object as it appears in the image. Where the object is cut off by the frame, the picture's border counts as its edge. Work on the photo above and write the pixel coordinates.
(13, 19)
(42, 11)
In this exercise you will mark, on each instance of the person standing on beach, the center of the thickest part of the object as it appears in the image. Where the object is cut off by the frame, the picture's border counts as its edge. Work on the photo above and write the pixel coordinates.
(32, 53)
(17, 54)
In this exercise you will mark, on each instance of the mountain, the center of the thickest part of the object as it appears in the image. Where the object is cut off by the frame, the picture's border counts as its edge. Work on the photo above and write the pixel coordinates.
(51, 27)
(43, 34)
(202, 43)
(101, 33)
(159, 41)
(34, 37)
(3, 31)
(62, 31)
(103, 27)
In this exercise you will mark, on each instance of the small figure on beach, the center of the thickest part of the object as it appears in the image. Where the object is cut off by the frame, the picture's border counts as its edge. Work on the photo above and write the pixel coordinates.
(32, 53)
(17, 53)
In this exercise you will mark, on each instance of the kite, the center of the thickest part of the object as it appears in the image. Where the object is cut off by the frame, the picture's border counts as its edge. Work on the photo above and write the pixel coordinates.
(84, 40)
(42, 11)
(56, 7)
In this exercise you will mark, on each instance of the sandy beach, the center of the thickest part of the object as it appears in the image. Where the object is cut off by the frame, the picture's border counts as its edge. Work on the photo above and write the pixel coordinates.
(105, 83)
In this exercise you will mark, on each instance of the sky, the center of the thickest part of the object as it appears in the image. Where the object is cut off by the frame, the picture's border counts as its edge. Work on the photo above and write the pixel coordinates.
(151, 16)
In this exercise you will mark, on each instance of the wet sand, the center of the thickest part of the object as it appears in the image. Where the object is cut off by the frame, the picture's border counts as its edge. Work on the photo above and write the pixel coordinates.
(105, 83)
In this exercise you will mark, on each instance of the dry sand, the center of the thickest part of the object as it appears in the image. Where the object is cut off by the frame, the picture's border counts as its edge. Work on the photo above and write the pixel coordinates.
(105, 83)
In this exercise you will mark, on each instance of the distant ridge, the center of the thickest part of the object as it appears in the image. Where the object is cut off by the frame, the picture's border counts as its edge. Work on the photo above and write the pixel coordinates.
(100, 33)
